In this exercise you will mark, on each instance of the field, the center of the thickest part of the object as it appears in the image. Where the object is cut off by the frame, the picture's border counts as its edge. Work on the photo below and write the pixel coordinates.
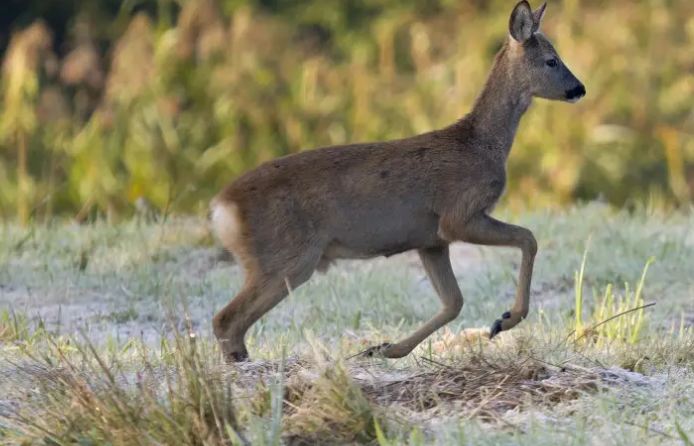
(105, 339)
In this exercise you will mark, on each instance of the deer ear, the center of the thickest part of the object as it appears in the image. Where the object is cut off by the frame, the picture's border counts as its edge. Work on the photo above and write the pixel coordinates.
(538, 14)
(521, 23)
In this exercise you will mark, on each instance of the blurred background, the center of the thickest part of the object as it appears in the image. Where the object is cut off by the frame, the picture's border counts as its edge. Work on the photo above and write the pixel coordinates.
(109, 105)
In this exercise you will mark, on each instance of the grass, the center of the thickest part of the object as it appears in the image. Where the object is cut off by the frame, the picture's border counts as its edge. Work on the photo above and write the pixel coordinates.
(105, 339)
(621, 315)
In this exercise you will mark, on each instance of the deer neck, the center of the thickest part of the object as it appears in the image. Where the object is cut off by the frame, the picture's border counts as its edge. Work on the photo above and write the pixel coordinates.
(499, 108)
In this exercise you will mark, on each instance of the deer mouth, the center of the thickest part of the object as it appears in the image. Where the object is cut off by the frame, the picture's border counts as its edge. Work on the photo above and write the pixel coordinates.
(575, 93)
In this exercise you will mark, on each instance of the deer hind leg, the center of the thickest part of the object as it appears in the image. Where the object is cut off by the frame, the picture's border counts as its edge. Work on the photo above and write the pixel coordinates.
(485, 230)
(287, 260)
(438, 267)
(228, 323)
(259, 295)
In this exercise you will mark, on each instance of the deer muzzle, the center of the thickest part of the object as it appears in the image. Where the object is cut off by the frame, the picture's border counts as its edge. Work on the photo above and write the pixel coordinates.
(576, 93)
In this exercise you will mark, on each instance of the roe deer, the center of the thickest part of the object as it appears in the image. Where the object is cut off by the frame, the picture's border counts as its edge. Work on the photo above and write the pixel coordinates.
(296, 214)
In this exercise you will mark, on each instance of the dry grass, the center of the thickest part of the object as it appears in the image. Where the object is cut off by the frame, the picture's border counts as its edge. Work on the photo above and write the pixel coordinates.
(76, 394)
(331, 405)
(329, 399)
(183, 394)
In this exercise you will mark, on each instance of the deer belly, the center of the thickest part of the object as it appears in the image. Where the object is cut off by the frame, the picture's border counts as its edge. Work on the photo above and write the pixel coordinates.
(383, 237)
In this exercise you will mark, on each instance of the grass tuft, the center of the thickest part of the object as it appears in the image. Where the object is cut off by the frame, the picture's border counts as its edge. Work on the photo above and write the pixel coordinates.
(80, 396)
(617, 317)
(16, 327)
(331, 406)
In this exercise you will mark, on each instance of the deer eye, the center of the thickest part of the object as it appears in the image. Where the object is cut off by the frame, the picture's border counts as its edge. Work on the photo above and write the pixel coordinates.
(551, 63)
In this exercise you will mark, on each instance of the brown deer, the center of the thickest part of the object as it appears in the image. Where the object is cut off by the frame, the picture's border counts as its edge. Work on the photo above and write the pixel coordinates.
(296, 214)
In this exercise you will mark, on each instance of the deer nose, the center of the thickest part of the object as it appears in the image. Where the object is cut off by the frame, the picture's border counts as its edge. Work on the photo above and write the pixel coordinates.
(575, 93)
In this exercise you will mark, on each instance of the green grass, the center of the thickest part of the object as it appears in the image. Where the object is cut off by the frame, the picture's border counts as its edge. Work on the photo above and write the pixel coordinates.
(105, 339)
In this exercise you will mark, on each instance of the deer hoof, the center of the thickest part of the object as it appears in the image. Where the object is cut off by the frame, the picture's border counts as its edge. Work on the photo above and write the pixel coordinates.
(495, 329)
(376, 350)
(233, 357)
(497, 326)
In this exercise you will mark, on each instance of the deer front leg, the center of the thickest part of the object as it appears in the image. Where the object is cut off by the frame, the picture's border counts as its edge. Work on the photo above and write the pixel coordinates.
(438, 267)
(485, 230)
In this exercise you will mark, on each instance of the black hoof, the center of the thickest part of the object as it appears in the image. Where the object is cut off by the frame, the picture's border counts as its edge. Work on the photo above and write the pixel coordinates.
(237, 357)
(376, 350)
(496, 328)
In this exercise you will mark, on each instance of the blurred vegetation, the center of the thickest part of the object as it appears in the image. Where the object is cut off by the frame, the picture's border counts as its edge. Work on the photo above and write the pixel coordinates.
(108, 104)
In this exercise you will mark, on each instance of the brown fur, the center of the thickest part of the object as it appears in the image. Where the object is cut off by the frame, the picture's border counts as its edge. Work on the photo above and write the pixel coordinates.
(299, 213)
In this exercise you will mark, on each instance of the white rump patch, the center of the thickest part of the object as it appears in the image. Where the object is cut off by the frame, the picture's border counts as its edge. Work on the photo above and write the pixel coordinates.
(226, 223)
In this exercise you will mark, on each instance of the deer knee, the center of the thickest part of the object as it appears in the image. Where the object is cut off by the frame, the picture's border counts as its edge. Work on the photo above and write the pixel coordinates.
(529, 244)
